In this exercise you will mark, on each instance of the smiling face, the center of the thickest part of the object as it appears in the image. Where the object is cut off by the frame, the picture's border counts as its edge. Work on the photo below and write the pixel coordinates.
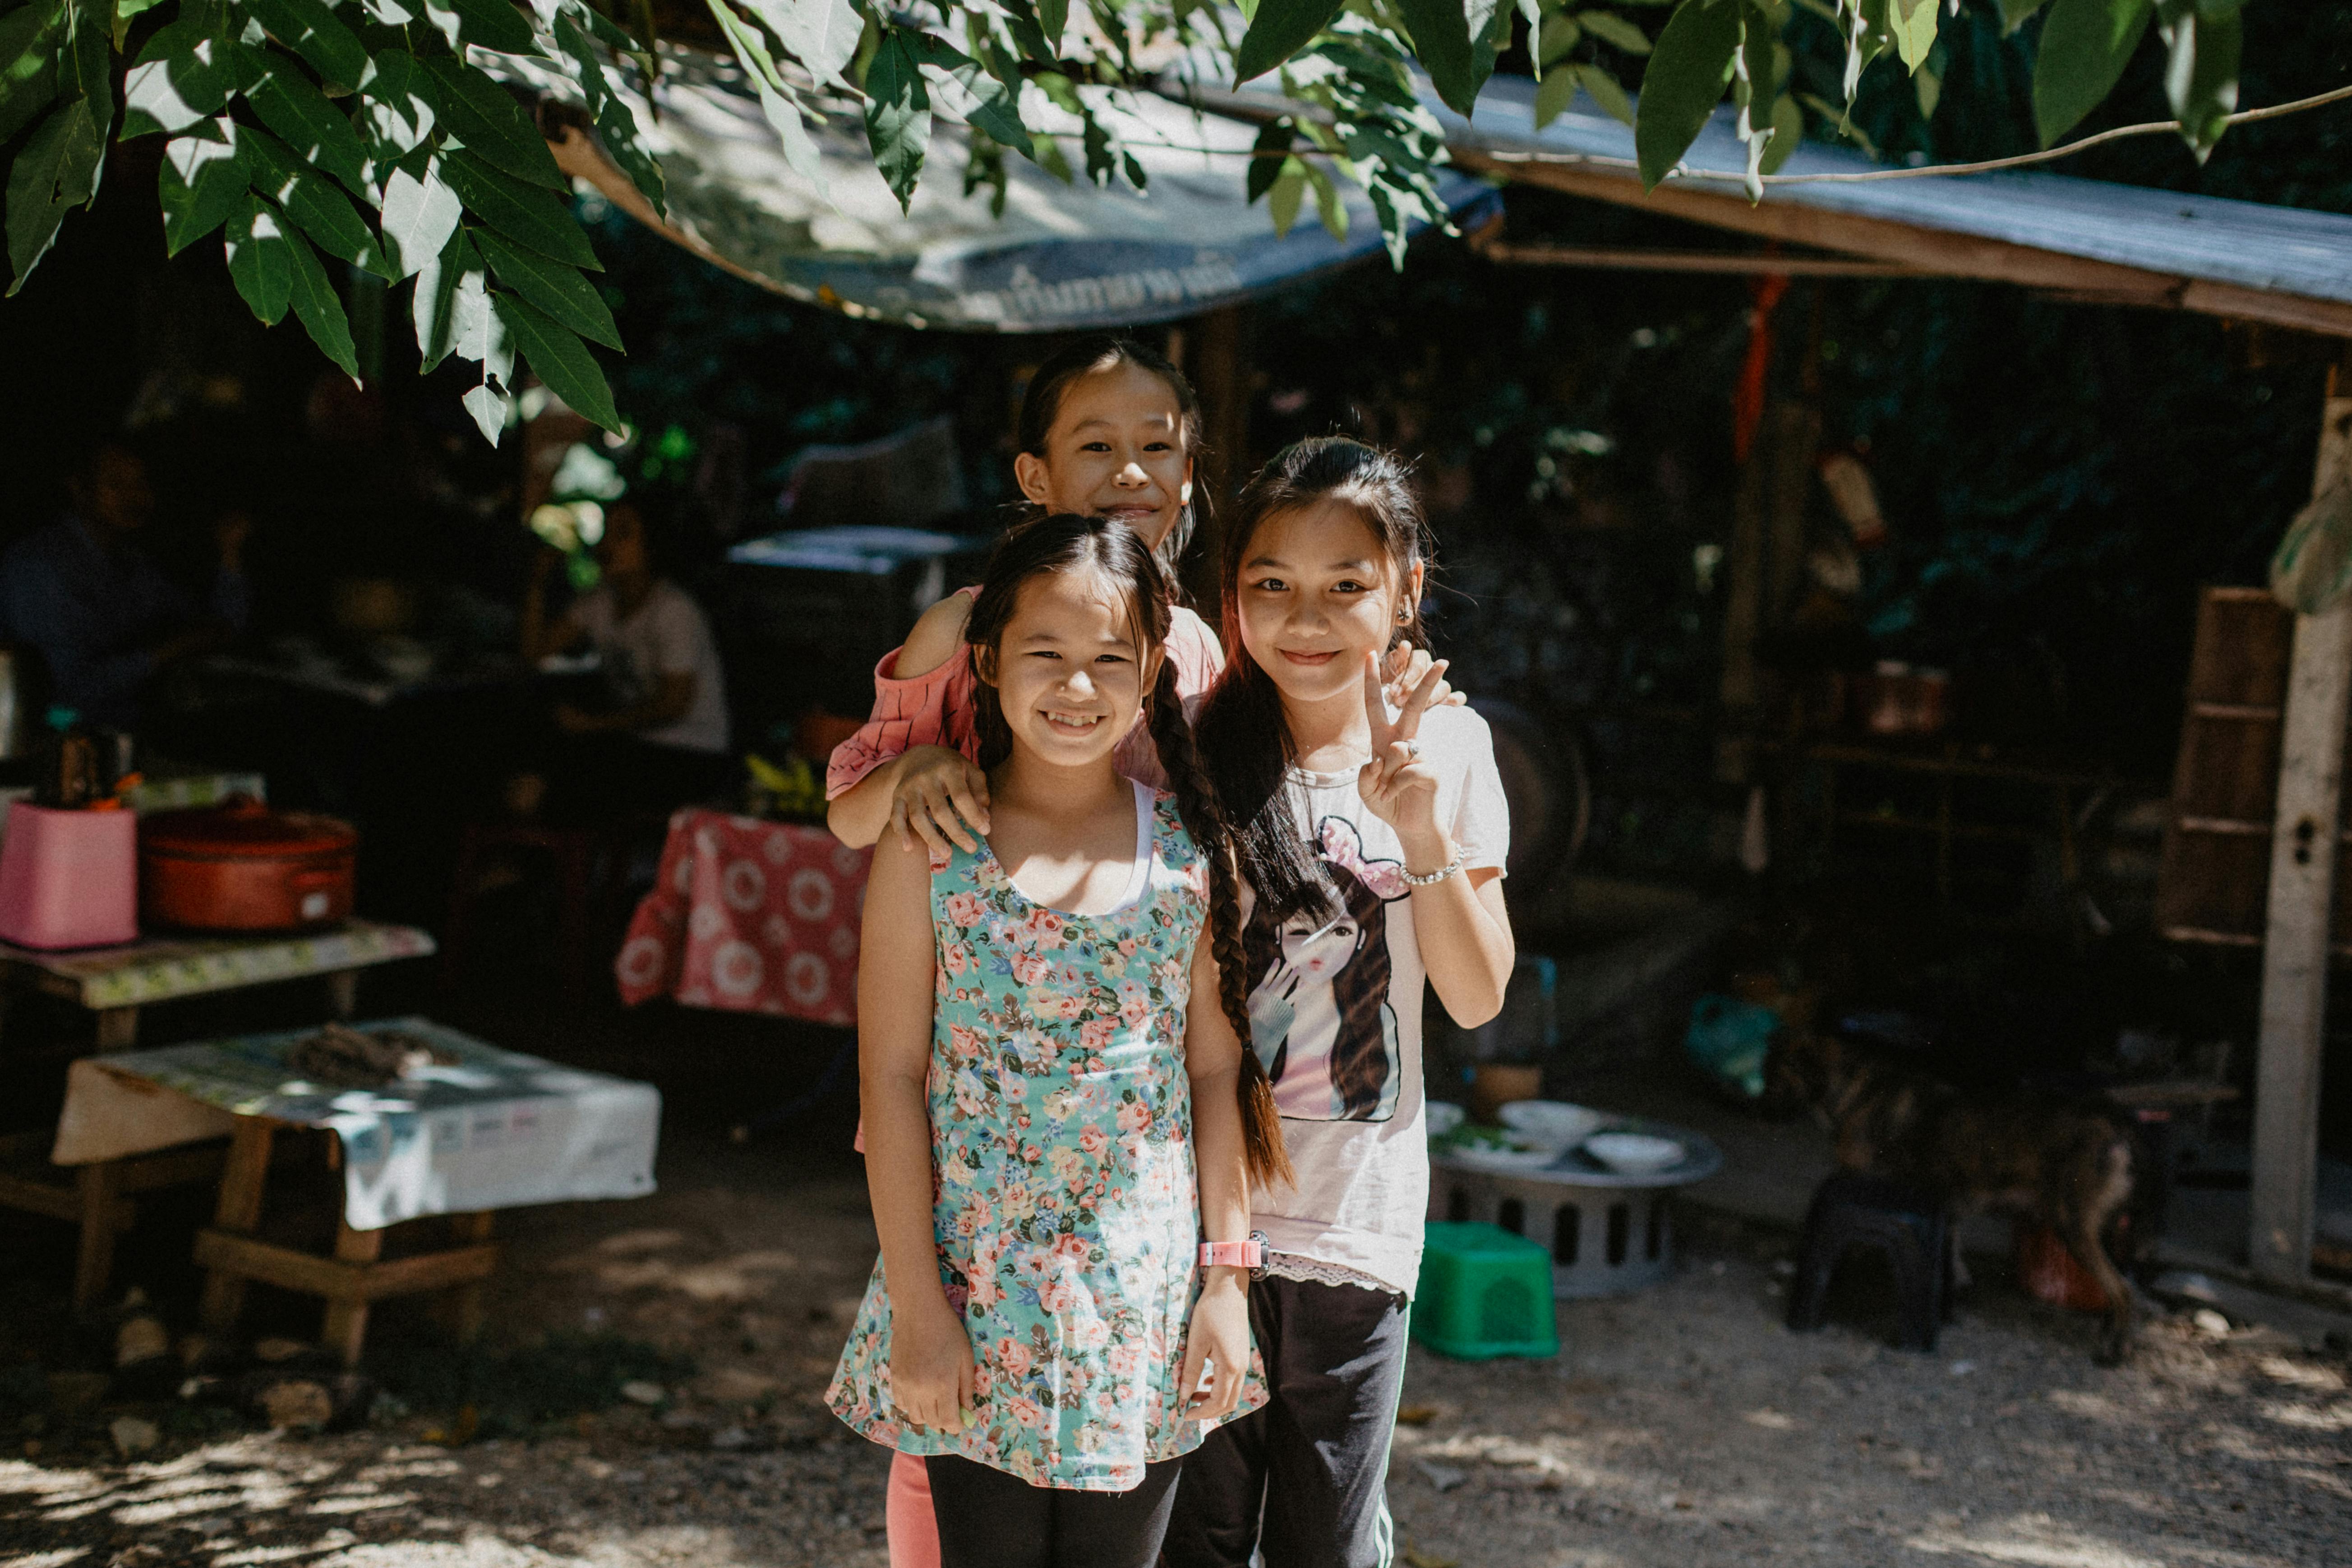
(1316, 594)
(1069, 675)
(1116, 448)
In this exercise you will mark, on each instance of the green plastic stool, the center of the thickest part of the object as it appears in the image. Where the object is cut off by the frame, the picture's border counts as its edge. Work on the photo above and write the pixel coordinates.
(1483, 1293)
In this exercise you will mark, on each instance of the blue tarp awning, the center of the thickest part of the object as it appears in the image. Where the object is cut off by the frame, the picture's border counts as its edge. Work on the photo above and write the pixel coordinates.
(1061, 256)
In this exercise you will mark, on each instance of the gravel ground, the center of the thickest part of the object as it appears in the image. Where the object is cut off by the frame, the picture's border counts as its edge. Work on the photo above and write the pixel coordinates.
(1678, 1429)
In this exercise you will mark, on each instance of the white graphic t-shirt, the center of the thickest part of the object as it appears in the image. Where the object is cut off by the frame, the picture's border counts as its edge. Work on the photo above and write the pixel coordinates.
(1335, 1014)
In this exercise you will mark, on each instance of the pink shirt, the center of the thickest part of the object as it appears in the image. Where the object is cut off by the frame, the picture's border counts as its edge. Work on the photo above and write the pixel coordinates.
(938, 708)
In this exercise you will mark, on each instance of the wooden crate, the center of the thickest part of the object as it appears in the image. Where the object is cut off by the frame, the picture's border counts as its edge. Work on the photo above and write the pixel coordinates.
(2214, 885)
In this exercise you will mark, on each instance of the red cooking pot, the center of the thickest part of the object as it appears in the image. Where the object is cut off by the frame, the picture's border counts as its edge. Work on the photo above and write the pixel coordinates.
(240, 865)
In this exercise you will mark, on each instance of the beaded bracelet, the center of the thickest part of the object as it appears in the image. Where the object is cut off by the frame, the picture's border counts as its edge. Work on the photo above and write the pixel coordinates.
(1433, 877)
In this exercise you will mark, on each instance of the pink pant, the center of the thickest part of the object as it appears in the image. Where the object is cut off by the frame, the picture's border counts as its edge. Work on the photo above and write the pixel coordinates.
(914, 1529)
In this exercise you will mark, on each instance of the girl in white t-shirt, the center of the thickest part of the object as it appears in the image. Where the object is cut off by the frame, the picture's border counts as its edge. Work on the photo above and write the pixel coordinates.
(1372, 843)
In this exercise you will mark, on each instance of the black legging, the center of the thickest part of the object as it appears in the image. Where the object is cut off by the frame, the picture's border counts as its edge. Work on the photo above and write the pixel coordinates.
(990, 1520)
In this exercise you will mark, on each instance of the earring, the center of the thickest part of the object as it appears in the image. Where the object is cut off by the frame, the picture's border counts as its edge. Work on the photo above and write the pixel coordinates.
(1404, 617)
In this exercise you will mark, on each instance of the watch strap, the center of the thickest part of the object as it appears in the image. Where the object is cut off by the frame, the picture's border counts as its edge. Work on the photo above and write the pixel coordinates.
(1250, 1254)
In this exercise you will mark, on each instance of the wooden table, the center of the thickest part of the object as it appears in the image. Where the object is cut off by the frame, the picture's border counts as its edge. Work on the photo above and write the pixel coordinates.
(486, 1129)
(114, 982)
(352, 1280)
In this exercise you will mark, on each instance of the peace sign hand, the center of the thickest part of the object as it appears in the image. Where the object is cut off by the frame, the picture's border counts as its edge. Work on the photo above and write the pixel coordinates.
(1398, 787)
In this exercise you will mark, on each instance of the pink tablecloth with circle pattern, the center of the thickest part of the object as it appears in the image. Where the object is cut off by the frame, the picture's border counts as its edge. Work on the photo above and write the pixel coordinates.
(749, 916)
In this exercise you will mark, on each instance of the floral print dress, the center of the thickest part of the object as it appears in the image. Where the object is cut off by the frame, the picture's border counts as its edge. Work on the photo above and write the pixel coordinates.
(1064, 1201)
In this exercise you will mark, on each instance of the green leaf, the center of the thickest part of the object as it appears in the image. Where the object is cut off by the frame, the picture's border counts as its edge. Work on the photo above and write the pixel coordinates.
(1614, 29)
(1684, 82)
(1053, 21)
(490, 123)
(490, 25)
(994, 111)
(1914, 25)
(185, 74)
(1553, 96)
(2085, 43)
(2203, 42)
(57, 169)
(1787, 130)
(317, 207)
(821, 34)
(1280, 30)
(1029, 34)
(490, 406)
(397, 106)
(202, 181)
(1559, 34)
(434, 309)
(320, 37)
(314, 129)
(560, 359)
(29, 64)
(561, 292)
(1606, 93)
(1441, 33)
(419, 215)
(615, 125)
(778, 102)
(2014, 13)
(1288, 193)
(258, 262)
(86, 65)
(1754, 70)
(897, 116)
(1329, 207)
(533, 219)
(1269, 155)
(317, 305)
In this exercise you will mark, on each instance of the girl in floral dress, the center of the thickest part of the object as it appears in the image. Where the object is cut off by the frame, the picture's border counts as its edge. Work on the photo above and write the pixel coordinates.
(1049, 1023)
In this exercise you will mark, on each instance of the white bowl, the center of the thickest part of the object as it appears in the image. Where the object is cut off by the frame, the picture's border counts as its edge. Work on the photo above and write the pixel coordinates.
(1633, 1153)
(1554, 1124)
(1443, 1117)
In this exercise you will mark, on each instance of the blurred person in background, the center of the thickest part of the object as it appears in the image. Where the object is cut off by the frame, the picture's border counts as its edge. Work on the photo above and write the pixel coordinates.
(660, 739)
(103, 617)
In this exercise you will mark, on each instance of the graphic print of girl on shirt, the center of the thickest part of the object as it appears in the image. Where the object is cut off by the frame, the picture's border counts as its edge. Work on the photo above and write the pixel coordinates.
(1320, 1018)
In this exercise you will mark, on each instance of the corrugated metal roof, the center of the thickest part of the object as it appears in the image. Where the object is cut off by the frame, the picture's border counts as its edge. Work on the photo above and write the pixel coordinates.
(2285, 250)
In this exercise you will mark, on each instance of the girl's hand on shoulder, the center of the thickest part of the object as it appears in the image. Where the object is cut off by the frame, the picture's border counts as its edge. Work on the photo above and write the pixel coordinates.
(1216, 1338)
(1405, 669)
(941, 798)
(932, 1376)
(1398, 787)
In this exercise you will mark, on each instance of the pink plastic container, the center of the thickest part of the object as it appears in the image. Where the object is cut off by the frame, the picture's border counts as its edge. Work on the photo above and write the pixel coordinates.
(68, 879)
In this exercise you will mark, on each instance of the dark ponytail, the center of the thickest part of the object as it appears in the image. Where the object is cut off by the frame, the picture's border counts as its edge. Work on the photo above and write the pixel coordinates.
(1196, 802)
(1070, 543)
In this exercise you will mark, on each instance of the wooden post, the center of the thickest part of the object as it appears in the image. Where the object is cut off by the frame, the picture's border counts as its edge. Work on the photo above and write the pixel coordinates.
(467, 1303)
(2302, 902)
(243, 1181)
(94, 1259)
(347, 1316)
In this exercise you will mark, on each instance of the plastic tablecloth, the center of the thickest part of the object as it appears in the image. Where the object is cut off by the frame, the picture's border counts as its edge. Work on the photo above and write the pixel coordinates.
(749, 916)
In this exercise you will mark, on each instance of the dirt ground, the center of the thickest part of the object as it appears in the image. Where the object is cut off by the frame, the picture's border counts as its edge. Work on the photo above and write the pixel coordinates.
(1678, 1429)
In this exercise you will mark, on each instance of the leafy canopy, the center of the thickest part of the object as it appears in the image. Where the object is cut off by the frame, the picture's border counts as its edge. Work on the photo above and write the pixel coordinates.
(379, 134)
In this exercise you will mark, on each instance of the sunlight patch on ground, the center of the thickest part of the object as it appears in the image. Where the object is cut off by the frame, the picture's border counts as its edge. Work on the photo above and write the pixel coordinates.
(43, 1559)
(1770, 1420)
(2311, 1417)
(2036, 1541)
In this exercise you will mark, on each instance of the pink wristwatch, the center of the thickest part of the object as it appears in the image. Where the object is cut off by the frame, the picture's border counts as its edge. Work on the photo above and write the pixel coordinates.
(1249, 1255)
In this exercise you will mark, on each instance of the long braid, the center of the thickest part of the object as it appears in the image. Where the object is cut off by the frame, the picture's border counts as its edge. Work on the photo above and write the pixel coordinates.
(1196, 802)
